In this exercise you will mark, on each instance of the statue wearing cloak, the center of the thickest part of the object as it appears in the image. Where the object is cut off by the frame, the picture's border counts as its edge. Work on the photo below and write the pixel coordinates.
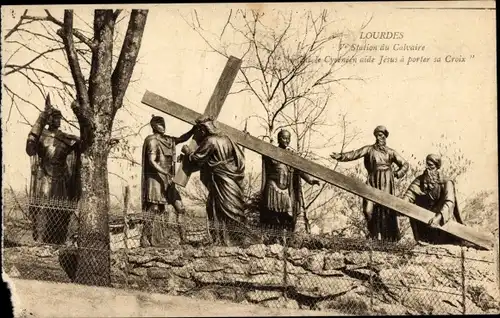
(440, 198)
(157, 188)
(222, 170)
(378, 161)
(55, 183)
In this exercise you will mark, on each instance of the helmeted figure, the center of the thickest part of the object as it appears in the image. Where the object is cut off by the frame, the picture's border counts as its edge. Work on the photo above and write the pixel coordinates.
(55, 176)
(378, 161)
(222, 170)
(281, 195)
(158, 169)
(434, 192)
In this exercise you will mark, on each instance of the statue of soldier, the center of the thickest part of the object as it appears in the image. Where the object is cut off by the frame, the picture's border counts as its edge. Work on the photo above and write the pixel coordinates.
(55, 176)
(432, 191)
(281, 198)
(378, 161)
(158, 169)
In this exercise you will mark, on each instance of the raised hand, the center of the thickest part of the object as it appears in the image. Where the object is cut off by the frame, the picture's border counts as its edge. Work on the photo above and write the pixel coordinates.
(335, 155)
(186, 150)
(397, 175)
(435, 221)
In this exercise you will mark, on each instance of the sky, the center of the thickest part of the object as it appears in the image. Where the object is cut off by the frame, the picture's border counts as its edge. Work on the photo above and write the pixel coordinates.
(420, 103)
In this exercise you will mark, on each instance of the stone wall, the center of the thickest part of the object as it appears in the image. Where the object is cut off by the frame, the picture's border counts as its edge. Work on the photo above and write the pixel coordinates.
(425, 280)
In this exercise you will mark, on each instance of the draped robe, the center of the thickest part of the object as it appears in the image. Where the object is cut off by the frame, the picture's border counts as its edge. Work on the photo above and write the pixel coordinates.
(442, 199)
(155, 184)
(378, 161)
(222, 170)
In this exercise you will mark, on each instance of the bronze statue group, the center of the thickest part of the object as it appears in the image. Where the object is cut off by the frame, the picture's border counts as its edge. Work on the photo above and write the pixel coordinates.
(221, 163)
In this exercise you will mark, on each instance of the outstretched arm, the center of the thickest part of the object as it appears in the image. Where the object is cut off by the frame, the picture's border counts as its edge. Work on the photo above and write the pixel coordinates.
(351, 155)
(184, 137)
(308, 178)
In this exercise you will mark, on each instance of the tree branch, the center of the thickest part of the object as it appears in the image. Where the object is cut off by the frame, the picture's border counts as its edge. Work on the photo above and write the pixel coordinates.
(75, 32)
(76, 72)
(31, 61)
(53, 75)
(128, 56)
(52, 19)
(13, 96)
(19, 23)
(81, 108)
(225, 25)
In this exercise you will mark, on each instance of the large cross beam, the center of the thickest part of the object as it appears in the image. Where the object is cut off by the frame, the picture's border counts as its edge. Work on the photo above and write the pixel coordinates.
(213, 109)
(482, 239)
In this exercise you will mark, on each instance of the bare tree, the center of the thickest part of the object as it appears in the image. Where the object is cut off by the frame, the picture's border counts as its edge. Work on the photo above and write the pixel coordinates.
(287, 59)
(98, 86)
(290, 63)
(36, 56)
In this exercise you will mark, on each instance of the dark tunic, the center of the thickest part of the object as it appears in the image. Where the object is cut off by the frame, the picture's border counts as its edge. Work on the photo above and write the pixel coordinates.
(378, 162)
(441, 199)
(156, 192)
(54, 164)
(155, 189)
(55, 182)
(281, 194)
(222, 171)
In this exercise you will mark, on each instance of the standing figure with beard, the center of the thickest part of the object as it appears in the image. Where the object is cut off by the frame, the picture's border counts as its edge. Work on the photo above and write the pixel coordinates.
(435, 193)
(378, 160)
(281, 192)
(158, 169)
(222, 170)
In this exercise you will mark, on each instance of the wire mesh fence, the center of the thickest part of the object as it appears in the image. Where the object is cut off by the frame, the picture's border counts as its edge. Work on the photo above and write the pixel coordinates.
(266, 266)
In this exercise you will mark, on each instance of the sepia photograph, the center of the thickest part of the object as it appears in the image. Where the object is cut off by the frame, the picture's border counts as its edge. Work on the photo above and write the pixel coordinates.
(250, 159)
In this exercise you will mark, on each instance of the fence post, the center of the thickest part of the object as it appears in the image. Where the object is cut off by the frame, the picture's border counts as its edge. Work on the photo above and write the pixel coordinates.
(285, 273)
(497, 261)
(126, 198)
(462, 258)
(371, 275)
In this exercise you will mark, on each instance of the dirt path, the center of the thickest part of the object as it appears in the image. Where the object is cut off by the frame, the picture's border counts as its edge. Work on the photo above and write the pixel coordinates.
(46, 299)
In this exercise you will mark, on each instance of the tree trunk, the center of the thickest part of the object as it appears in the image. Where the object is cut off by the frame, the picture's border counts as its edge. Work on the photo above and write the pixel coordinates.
(94, 246)
(95, 109)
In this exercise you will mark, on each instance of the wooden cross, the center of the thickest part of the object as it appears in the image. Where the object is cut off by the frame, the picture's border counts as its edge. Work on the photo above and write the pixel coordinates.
(213, 109)
(352, 185)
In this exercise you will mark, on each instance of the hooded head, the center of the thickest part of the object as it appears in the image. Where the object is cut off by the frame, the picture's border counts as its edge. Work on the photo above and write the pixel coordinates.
(433, 161)
(205, 126)
(432, 175)
(381, 133)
